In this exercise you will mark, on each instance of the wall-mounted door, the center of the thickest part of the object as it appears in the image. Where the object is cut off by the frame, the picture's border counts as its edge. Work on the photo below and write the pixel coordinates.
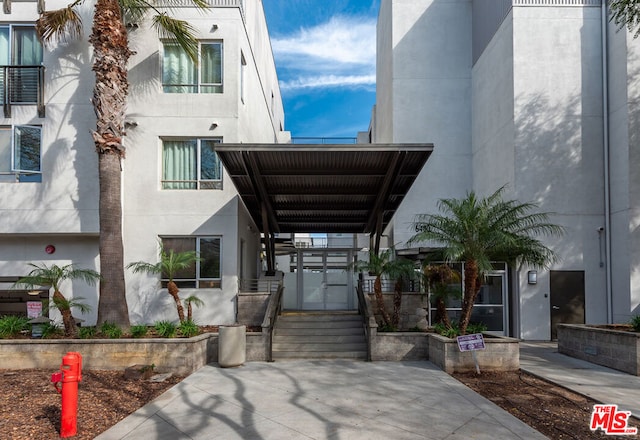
(567, 298)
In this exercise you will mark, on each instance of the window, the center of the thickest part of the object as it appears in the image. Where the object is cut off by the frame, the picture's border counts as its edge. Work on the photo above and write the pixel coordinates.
(20, 152)
(191, 164)
(203, 274)
(19, 46)
(181, 75)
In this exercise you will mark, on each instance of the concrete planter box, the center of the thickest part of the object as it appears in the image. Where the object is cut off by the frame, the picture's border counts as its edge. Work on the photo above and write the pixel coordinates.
(400, 346)
(501, 354)
(181, 356)
(611, 348)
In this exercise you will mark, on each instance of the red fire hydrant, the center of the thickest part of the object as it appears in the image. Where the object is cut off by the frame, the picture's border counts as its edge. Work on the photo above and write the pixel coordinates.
(69, 376)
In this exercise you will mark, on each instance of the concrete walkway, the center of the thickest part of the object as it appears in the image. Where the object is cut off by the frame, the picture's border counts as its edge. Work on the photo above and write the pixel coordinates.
(347, 400)
(600, 383)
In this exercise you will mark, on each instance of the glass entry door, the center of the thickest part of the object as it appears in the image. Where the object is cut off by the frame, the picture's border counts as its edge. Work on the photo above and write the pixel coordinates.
(325, 281)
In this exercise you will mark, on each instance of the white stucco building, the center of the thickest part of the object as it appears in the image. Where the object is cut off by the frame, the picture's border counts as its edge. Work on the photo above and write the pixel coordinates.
(174, 187)
(532, 95)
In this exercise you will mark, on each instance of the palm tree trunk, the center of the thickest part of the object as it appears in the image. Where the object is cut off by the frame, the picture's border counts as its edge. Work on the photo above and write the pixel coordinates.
(189, 312)
(397, 303)
(173, 291)
(111, 54)
(69, 323)
(441, 312)
(377, 289)
(470, 291)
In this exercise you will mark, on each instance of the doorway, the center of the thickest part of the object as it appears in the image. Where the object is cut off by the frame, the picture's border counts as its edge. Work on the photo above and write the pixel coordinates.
(324, 280)
(567, 298)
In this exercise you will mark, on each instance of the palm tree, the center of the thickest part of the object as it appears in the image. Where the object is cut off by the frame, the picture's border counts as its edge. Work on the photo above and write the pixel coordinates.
(191, 301)
(385, 265)
(54, 276)
(626, 13)
(439, 279)
(111, 53)
(481, 230)
(170, 264)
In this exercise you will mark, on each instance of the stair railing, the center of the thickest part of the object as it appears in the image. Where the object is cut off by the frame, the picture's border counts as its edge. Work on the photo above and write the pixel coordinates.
(369, 321)
(274, 307)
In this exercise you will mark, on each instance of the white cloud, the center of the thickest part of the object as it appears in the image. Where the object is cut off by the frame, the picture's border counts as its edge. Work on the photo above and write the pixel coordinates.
(306, 82)
(338, 53)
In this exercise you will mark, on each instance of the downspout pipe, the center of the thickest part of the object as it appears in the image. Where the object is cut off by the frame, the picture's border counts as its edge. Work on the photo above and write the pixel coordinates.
(605, 143)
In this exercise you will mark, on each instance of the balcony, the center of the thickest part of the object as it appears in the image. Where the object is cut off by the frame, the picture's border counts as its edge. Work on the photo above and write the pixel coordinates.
(22, 85)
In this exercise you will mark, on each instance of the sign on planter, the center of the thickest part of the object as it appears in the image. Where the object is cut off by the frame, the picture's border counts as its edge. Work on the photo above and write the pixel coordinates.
(471, 342)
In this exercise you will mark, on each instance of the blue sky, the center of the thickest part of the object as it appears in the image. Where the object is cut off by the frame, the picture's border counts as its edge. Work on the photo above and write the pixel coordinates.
(325, 58)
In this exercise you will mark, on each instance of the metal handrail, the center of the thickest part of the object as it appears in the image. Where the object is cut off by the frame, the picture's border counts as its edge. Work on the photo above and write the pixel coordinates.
(274, 307)
(369, 321)
(259, 285)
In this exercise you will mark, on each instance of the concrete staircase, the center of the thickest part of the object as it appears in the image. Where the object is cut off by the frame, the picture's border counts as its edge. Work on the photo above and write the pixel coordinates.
(319, 335)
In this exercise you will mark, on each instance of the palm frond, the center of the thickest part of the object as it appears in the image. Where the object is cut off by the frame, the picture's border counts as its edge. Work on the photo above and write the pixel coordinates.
(59, 25)
(179, 32)
(626, 13)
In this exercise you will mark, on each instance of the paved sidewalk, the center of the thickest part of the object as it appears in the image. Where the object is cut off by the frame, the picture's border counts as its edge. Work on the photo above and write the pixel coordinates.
(600, 383)
(347, 400)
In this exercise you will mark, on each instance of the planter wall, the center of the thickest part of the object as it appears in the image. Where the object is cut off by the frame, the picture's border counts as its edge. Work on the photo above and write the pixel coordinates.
(615, 349)
(501, 354)
(400, 346)
(252, 307)
(180, 356)
(410, 302)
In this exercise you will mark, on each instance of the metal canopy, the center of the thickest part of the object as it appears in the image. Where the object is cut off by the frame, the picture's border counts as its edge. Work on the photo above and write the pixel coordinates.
(323, 188)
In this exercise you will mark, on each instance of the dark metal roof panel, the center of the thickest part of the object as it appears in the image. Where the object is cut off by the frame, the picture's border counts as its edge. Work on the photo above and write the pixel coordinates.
(323, 188)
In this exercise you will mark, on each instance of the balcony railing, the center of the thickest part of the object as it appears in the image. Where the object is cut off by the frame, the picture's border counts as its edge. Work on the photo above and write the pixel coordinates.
(22, 85)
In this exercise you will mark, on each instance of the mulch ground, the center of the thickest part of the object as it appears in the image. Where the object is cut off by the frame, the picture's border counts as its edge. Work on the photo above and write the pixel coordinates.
(553, 410)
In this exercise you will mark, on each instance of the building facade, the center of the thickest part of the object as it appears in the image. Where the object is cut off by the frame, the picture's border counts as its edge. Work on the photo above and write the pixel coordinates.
(540, 97)
(175, 190)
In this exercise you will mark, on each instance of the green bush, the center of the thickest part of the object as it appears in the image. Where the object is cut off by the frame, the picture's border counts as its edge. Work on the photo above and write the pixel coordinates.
(12, 325)
(474, 327)
(139, 331)
(110, 330)
(87, 332)
(51, 330)
(635, 323)
(188, 328)
(166, 329)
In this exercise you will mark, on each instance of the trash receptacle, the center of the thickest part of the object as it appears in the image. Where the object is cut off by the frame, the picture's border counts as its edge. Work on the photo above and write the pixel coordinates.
(232, 345)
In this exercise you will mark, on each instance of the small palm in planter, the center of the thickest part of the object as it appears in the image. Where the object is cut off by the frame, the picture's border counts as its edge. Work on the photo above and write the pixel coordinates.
(54, 276)
(170, 264)
(386, 265)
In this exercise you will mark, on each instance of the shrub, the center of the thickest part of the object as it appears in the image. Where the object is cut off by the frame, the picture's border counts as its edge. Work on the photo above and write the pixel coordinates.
(188, 328)
(476, 327)
(635, 323)
(111, 330)
(12, 325)
(139, 331)
(87, 332)
(51, 330)
(166, 329)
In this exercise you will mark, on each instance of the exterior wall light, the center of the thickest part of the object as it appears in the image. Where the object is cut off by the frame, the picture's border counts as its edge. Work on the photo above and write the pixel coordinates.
(532, 277)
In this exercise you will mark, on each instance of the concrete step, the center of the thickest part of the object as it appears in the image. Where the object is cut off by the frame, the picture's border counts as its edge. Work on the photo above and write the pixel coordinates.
(316, 335)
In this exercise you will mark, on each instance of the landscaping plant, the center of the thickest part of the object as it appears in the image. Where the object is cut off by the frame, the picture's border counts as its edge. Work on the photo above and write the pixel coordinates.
(188, 328)
(635, 323)
(138, 331)
(442, 281)
(110, 330)
(170, 264)
(190, 302)
(478, 230)
(385, 265)
(87, 332)
(166, 329)
(53, 276)
(11, 325)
